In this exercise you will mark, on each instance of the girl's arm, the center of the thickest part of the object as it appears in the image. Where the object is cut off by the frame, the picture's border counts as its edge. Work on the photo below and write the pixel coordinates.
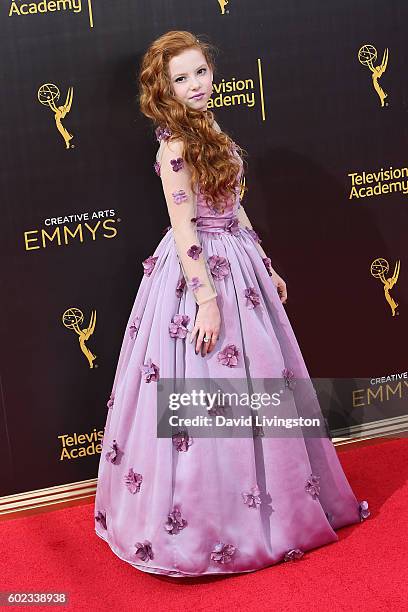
(181, 205)
(245, 223)
(277, 280)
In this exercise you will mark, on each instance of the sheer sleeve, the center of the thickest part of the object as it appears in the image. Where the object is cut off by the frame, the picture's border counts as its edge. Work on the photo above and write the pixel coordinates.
(244, 221)
(181, 205)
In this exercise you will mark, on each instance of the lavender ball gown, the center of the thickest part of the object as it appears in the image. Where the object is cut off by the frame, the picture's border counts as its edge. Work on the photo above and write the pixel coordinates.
(191, 507)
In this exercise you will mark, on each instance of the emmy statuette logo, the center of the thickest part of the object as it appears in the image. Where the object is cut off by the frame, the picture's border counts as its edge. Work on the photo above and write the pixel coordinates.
(367, 55)
(223, 4)
(48, 94)
(379, 268)
(73, 318)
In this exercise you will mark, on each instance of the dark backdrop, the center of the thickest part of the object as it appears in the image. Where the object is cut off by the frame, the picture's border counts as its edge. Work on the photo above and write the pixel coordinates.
(315, 119)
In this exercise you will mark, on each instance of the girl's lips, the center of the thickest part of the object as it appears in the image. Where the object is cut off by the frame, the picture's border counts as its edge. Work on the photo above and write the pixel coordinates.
(197, 96)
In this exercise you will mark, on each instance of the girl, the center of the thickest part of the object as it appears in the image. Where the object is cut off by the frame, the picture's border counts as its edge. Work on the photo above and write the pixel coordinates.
(210, 306)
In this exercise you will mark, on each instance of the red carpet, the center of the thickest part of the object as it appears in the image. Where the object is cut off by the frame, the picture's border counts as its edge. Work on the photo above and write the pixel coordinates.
(366, 570)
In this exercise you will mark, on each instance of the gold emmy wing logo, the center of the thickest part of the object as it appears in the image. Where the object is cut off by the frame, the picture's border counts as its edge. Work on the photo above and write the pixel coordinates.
(367, 55)
(48, 94)
(73, 318)
(379, 268)
(223, 4)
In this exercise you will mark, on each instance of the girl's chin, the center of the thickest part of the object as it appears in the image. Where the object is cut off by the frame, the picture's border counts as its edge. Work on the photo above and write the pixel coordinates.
(199, 102)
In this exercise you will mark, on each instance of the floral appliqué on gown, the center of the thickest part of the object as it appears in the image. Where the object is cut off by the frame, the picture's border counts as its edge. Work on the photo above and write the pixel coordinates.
(191, 507)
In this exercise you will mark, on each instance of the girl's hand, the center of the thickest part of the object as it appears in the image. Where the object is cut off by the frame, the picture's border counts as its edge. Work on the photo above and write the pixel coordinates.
(280, 286)
(207, 323)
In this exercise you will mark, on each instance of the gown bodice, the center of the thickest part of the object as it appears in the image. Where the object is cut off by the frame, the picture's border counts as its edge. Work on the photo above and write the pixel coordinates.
(206, 216)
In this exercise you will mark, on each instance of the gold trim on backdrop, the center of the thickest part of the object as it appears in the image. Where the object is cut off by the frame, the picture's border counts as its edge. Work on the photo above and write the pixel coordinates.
(393, 427)
(90, 13)
(261, 89)
(77, 493)
(33, 502)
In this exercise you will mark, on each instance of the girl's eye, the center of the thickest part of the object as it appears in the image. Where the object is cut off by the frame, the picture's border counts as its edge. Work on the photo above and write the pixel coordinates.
(178, 79)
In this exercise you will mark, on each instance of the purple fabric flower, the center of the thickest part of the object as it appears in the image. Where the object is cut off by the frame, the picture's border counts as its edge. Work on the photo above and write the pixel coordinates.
(252, 297)
(144, 550)
(101, 519)
(156, 167)
(364, 511)
(180, 286)
(148, 265)
(134, 328)
(162, 133)
(252, 499)
(222, 553)
(255, 236)
(178, 326)
(133, 481)
(219, 266)
(268, 264)
(228, 356)
(217, 408)
(175, 523)
(177, 164)
(179, 196)
(114, 455)
(150, 371)
(293, 554)
(232, 226)
(289, 375)
(181, 441)
(312, 486)
(110, 401)
(194, 251)
(195, 284)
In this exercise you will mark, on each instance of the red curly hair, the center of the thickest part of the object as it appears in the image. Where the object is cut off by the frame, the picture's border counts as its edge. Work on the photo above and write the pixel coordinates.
(206, 151)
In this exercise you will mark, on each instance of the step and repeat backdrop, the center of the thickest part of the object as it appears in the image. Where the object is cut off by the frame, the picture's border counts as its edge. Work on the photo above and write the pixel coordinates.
(316, 93)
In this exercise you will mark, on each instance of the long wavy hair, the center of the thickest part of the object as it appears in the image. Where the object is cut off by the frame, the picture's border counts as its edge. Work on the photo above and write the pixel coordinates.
(206, 151)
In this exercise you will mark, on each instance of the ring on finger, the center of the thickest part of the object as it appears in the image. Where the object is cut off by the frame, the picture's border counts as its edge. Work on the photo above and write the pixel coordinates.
(206, 338)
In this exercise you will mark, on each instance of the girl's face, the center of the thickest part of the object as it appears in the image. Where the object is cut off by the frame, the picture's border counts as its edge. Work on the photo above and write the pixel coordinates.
(190, 75)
